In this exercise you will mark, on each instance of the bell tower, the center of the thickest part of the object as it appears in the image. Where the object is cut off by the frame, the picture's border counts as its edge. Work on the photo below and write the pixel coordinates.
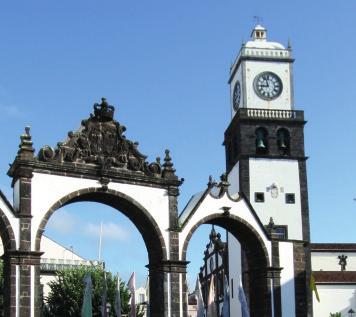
(264, 142)
(266, 162)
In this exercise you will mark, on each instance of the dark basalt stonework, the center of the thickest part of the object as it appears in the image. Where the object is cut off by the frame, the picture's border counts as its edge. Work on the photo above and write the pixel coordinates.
(98, 149)
(101, 141)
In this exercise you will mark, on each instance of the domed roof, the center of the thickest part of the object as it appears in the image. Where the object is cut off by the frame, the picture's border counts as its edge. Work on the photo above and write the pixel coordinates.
(259, 39)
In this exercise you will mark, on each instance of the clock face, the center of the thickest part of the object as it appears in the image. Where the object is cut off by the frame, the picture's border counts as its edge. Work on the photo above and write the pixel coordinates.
(267, 85)
(236, 96)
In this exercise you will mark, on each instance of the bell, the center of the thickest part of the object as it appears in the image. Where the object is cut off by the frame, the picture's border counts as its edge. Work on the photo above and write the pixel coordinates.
(260, 144)
(282, 144)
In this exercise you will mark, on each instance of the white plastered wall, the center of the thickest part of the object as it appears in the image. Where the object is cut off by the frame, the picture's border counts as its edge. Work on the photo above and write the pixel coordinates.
(54, 250)
(334, 298)
(48, 189)
(285, 174)
(282, 69)
(287, 278)
(329, 261)
(234, 275)
(234, 180)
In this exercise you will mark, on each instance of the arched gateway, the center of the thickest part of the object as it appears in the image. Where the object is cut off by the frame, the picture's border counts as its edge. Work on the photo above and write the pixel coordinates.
(97, 163)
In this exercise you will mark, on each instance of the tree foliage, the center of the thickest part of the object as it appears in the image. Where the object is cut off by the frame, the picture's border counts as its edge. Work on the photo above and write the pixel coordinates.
(66, 293)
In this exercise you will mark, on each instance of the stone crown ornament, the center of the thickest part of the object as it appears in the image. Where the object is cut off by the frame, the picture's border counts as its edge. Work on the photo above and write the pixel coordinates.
(103, 111)
(100, 141)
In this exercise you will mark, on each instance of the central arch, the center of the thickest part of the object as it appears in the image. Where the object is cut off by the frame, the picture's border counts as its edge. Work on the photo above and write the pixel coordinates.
(256, 273)
(144, 222)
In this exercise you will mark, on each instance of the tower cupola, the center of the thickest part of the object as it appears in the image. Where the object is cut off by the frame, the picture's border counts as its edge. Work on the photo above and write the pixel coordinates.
(259, 33)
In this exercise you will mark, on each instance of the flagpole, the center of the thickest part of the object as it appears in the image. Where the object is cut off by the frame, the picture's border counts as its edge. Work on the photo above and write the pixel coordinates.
(100, 239)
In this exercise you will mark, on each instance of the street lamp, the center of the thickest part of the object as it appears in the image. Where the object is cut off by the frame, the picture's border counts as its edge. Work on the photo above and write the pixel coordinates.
(351, 312)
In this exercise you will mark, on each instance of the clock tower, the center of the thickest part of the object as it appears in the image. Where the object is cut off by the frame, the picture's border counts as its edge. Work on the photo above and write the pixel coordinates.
(265, 158)
(261, 76)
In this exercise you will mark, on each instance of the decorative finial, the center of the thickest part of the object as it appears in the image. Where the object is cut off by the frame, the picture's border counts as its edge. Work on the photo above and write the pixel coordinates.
(26, 150)
(168, 170)
(211, 182)
(212, 233)
(289, 44)
(223, 185)
(271, 223)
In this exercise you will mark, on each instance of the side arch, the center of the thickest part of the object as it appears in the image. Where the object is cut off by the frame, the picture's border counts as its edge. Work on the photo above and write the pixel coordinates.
(240, 228)
(255, 258)
(140, 217)
(7, 232)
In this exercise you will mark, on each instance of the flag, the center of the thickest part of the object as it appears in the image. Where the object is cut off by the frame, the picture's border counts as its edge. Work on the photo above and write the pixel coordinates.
(131, 286)
(148, 313)
(211, 306)
(226, 309)
(87, 310)
(200, 302)
(242, 299)
(313, 287)
(104, 296)
(117, 304)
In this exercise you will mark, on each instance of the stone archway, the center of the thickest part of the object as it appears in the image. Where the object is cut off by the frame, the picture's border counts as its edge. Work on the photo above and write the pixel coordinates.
(98, 163)
(142, 219)
(257, 258)
(144, 222)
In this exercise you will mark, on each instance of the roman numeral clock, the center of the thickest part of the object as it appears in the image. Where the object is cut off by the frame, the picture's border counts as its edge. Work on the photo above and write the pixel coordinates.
(267, 85)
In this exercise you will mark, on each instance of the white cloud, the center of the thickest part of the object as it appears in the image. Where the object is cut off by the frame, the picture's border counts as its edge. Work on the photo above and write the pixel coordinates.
(111, 231)
(63, 222)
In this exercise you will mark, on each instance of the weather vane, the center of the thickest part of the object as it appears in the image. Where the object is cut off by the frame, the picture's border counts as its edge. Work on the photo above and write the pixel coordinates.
(257, 19)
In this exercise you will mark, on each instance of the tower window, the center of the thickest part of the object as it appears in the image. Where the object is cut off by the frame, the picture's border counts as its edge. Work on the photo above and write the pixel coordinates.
(283, 140)
(261, 141)
(290, 198)
(259, 197)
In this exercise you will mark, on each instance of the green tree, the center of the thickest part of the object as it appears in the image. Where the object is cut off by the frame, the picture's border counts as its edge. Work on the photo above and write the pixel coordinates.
(66, 293)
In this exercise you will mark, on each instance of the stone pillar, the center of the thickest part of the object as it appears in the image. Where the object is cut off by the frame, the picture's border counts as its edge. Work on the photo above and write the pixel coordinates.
(9, 272)
(167, 288)
(177, 274)
(174, 276)
(259, 292)
(19, 262)
(274, 272)
(19, 270)
(302, 279)
(158, 290)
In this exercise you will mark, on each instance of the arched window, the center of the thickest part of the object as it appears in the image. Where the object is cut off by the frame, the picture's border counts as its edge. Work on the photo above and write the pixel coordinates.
(261, 141)
(283, 140)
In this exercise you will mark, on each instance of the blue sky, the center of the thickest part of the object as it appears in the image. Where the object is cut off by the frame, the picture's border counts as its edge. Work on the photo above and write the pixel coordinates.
(164, 65)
